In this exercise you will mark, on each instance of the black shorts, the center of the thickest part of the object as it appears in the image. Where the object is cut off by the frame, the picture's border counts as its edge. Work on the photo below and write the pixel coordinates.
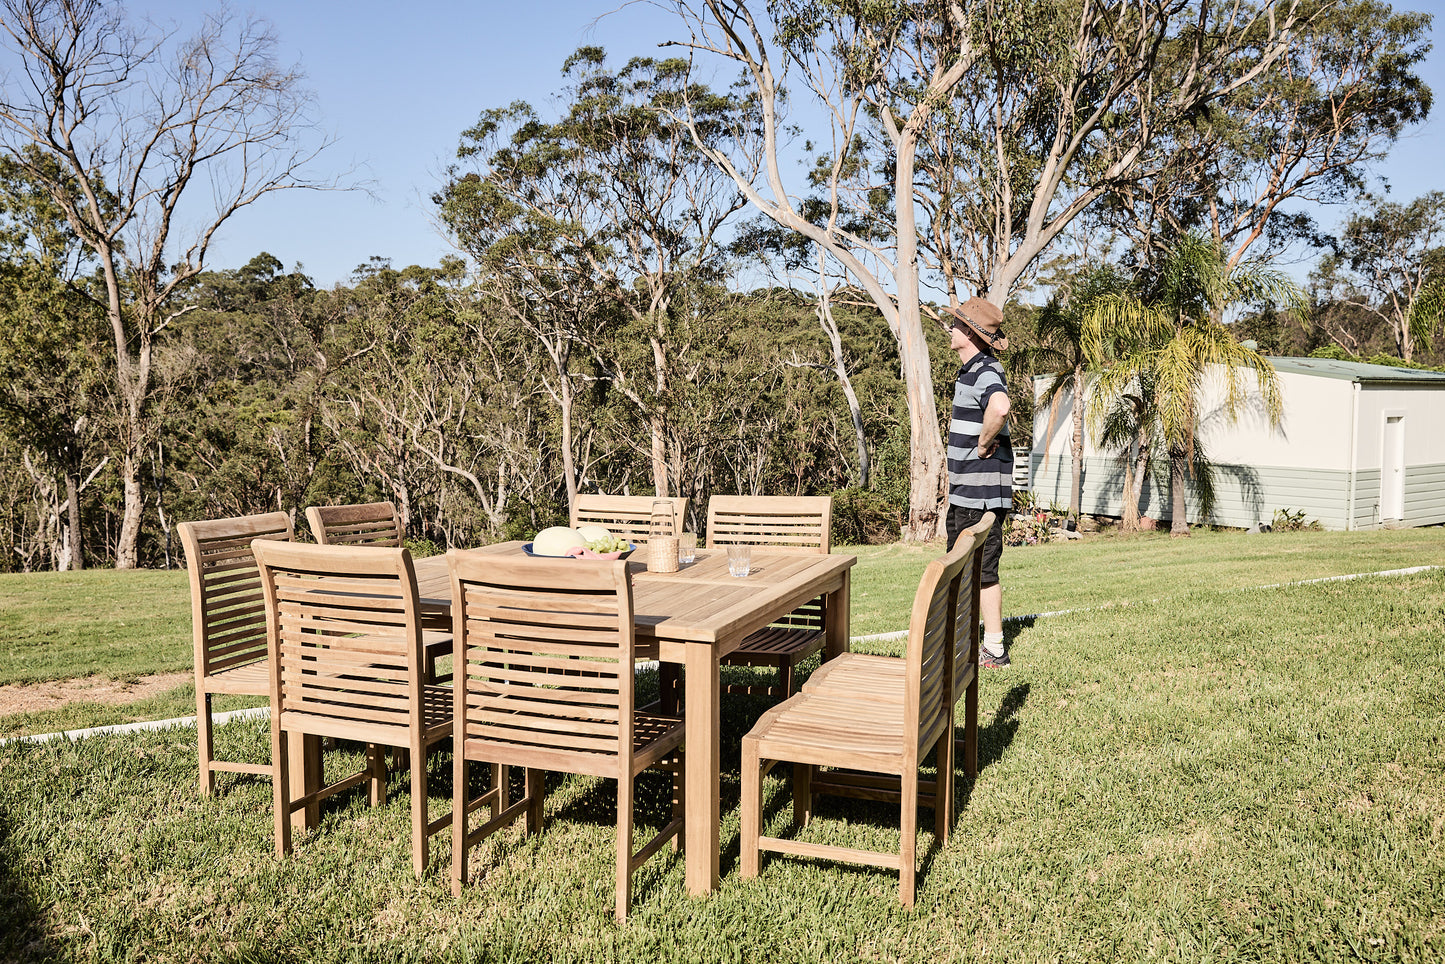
(960, 518)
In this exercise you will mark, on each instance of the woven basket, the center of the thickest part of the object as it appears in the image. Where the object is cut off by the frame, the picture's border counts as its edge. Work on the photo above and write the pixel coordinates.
(662, 554)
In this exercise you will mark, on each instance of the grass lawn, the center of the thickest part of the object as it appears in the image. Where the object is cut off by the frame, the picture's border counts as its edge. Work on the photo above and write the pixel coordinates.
(127, 624)
(1184, 773)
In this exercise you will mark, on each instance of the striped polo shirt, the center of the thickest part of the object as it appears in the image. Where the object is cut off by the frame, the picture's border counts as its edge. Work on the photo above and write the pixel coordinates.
(976, 483)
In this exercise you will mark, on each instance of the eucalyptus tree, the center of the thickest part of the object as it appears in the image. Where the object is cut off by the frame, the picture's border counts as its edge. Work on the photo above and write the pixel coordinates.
(52, 358)
(994, 124)
(1390, 261)
(133, 120)
(614, 202)
(1250, 165)
(1163, 343)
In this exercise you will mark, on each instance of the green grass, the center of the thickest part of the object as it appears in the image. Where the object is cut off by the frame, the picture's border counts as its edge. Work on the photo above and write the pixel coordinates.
(57, 625)
(1244, 776)
(127, 624)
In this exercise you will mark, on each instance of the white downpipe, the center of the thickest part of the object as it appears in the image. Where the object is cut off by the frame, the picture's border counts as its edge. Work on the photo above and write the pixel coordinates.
(1354, 453)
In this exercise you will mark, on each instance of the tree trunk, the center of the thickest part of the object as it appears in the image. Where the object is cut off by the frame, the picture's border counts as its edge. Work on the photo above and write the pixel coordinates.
(659, 457)
(127, 555)
(1179, 524)
(928, 465)
(569, 467)
(72, 502)
(840, 368)
(1075, 487)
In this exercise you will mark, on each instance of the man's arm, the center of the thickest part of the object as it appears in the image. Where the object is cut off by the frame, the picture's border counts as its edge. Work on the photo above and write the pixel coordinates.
(995, 415)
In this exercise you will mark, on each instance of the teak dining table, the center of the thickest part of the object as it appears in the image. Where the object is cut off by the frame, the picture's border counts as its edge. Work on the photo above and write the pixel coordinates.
(693, 617)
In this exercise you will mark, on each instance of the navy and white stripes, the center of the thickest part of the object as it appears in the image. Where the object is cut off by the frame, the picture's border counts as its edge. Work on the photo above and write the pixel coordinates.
(976, 483)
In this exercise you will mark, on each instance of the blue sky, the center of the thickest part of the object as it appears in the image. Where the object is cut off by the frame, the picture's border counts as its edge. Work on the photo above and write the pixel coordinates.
(396, 83)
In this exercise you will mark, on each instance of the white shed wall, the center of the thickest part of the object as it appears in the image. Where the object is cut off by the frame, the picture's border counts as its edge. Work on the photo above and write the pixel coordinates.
(1303, 464)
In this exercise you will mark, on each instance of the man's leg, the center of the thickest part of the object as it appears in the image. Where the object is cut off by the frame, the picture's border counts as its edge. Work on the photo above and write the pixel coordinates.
(990, 599)
(990, 604)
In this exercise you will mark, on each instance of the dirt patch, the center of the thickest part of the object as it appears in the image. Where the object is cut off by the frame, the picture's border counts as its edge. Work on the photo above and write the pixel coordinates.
(38, 697)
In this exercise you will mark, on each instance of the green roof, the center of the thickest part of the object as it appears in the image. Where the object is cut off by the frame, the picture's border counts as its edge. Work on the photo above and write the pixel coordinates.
(1358, 371)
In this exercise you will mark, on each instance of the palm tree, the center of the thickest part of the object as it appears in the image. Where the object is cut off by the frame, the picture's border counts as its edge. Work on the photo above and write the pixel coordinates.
(1163, 344)
(1062, 355)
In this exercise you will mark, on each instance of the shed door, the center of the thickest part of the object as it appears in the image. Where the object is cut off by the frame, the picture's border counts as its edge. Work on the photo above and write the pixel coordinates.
(1392, 469)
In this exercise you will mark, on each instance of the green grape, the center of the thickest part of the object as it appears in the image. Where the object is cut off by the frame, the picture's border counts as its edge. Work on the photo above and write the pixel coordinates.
(611, 544)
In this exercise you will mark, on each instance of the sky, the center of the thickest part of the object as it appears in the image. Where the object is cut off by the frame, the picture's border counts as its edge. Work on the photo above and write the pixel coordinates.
(396, 83)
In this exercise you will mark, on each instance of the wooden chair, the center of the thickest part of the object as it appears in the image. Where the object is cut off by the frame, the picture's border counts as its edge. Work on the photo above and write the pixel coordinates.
(377, 524)
(797, 524)
(228, 622)
(369, 524)
(869, 676)
(627, 516)
(859, 733)
(345, 639)
(544, 658)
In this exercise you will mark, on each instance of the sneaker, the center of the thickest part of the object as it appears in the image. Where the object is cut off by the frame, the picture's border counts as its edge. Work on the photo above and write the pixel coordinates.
(987, 660)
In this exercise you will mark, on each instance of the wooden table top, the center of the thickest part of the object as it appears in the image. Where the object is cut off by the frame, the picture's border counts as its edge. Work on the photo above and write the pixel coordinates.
(701, 602)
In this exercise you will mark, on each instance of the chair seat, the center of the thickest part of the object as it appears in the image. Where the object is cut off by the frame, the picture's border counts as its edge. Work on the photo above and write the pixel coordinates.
(828, 731)
(248, 679)
(776, 646)
(860, 676)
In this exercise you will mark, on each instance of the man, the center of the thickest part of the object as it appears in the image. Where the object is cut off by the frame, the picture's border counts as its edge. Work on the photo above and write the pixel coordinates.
(980, 458)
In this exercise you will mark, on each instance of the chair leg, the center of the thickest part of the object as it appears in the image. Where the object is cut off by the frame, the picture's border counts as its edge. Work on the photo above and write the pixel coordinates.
(376, 767)
(679, 801)
(752, 809)
(908, 845)
(419, 837)
(943, 786)
(785, 679)
(459, 820)
(281, 786)
(624, 846)
(970, 729)
(802, 794)
(204, 745)
(669, 688)
(536, 783)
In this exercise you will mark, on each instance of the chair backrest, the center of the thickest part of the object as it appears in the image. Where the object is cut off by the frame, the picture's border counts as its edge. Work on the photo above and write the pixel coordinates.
(932, 626)
(368, 524)
(543, 663)
(626, 516)
(228, 611)
(801, 523)
(345, 635)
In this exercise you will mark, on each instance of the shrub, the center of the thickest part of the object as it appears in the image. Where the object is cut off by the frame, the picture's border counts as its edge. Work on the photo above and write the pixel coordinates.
(1287, 520)
(421, 548)
(1025, 531)
(864, 517)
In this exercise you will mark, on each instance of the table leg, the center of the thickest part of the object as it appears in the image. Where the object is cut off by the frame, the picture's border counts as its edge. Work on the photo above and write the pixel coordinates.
(836, 622)
(703, 760)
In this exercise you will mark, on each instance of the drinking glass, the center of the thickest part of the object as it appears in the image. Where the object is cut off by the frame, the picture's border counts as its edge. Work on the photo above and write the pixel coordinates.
(660, 521)
(687, 547)
(740, 560)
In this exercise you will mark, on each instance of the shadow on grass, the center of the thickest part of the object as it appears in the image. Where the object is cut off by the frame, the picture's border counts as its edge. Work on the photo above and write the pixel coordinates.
(21, 936)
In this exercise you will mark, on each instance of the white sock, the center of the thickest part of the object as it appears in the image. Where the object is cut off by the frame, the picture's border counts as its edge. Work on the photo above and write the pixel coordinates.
(993, 643)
